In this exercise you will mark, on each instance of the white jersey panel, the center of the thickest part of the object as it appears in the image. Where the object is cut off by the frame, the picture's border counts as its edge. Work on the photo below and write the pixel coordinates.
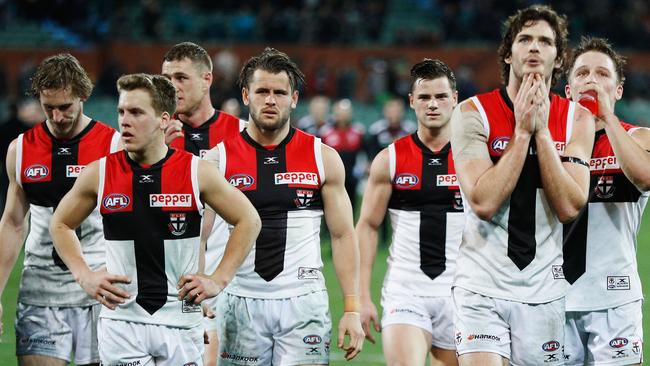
(302, 270)
(486, 269)
(404, 274)
(611, 277)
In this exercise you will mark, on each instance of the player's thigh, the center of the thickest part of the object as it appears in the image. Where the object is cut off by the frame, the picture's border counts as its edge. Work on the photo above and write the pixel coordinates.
(304, 332)
(616, 335)
(83, 321)
(482, 359)
(537, 333)
(443, 357)
(405, 344)
(480, 329)
(211, 349)
(43, 331)
(34, 360)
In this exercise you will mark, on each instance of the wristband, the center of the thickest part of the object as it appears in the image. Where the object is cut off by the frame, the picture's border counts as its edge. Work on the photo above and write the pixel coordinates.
(574, 160)
(351, 304)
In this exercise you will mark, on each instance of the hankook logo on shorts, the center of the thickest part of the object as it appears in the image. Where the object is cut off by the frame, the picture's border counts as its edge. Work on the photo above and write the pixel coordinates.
(229, 356)
(170, 200)
(296, 178)
(132, 363)
(483, 337)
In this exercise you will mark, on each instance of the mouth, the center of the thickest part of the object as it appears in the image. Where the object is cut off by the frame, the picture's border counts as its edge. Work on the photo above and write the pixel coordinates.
(433, 115)
(269, 113)
(533, 62)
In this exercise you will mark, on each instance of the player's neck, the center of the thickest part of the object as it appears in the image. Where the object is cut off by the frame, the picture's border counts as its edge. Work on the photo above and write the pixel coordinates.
(80, 125)
(266, 137)
(151, 154)
(200, 115)
(434, 138)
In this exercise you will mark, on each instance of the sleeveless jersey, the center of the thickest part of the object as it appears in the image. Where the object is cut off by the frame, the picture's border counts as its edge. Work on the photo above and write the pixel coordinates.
(284, 184)
(426, 211)
(46, 169)
(600, 246)
(198, 141)
(152, 223)
(517, 255)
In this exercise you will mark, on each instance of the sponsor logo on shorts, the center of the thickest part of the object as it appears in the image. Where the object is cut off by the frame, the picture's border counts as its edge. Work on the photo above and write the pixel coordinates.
(605, 187)
(177, 223)
(551, 346)
(36, 172)
(306, 273)
(458, 338)
(618, 282)
(558, 272)
(483, 337)
(190, 307)
(618, 342)
(620, 353)
(170, 200)
(241, 181)
(553, 357)
(73, 171)
(131, 363)
(312, 339)
(636, 347)
(499, 144)
(230, 356)
(116, 201)
(327, 347)
(39, 341)
(446, 180)
(313, 351)
(296, 178)
(406, 180)
(405, 310)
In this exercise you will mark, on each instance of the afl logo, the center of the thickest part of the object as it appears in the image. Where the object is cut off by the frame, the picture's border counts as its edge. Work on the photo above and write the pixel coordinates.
(551, 346)
(312, 339)
(241, 181)
(36, 172)
(618, 342)
(406, 180)
(116, 201)
(499, 144)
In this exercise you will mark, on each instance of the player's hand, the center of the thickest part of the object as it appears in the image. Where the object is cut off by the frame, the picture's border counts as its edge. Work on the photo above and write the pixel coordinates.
(173, 131)
(543, 104)
(369, 315)
(605, 107)
(197, 287)
(525, 106)
(100, 286)
(350, 324)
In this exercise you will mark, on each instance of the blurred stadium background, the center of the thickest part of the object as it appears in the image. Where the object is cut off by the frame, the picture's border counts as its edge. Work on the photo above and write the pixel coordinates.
(359, 50)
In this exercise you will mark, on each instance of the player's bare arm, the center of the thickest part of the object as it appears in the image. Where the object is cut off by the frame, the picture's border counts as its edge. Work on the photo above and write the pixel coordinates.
(211, 156)
(373, 209)
(12, 224)
(345, 251)
(236, 209)
(75, 207)
(476, 173)
(566, 184)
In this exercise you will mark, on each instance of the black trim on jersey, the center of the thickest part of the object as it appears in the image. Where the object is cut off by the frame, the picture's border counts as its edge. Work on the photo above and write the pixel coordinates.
(149, 227)
(258, 146)
(195, 146)
(76, 138)
(506, 98)
(136, 166)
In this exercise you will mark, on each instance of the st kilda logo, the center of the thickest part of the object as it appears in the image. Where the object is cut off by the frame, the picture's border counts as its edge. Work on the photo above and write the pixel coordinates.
(304, 197)
(406, 180)
(36, 172)
(605, 186)
(177, 223)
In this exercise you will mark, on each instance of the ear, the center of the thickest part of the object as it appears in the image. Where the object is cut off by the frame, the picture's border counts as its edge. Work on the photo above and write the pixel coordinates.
(567, 91)
(207, 79)
(454, 97)
(294, 99)
(411, 100)
(245, 96)
(165, 118)
(619, 91)
(508, 60)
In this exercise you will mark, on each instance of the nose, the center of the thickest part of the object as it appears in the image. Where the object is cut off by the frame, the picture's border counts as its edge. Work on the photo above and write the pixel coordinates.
(270, 99)
(57, 115)
(433, 104)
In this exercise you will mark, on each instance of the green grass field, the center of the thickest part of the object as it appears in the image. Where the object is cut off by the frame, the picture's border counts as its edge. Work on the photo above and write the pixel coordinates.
(371, 354)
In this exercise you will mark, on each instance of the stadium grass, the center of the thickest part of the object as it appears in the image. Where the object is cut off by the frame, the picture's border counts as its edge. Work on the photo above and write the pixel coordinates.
(371, 354)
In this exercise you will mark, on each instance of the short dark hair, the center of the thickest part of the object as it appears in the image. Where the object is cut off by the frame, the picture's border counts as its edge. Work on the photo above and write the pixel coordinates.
(61, 71)
(275, 62)
(429, 69)
(192, 51)
(161, 90)
(527, 17)
(597, 45)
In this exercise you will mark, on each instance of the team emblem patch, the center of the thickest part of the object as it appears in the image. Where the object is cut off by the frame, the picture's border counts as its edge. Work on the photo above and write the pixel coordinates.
(177, 223)
(458, 201)
(36, 172)
(605, 187)
(304, 198)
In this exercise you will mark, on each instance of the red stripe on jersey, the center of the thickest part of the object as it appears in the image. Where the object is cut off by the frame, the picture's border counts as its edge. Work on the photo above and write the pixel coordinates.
(176, 180)
(118, 185)
(241, 173)
(96, 144)
(603, 153)
(226, 126)
(37, 155)
(178, 143)
(408, 165)
(451, 169)
(302, 145)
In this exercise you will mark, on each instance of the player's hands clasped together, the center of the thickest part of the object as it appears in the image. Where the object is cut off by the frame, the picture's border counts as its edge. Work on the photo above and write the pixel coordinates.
(350, 324)
(197, 287)
(100, 286)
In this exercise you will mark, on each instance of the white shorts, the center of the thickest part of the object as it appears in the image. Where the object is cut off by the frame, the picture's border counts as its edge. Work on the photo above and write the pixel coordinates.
(58, 332)
(292, 331)
(127, 343)
(605, 337)
(433, 314)
(211, 325)
(526, 334)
